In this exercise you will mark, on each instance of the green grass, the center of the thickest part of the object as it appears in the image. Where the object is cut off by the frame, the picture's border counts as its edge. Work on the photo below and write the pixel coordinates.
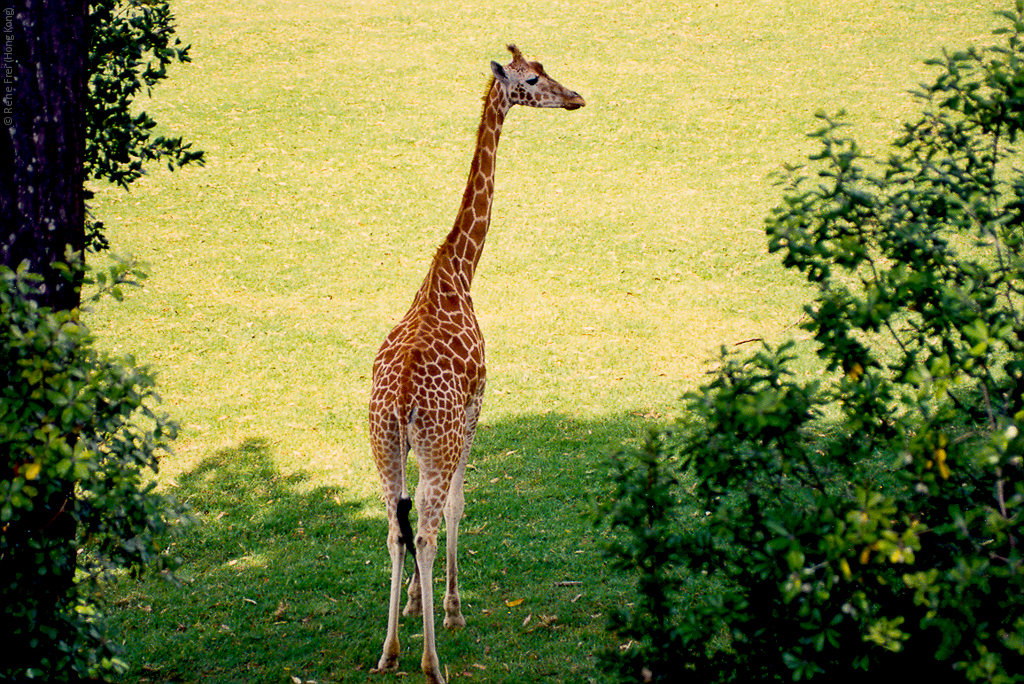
(284, 576)
(626, 246)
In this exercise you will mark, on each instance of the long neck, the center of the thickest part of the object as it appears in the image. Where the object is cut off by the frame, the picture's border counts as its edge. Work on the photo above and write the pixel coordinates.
(457, 258)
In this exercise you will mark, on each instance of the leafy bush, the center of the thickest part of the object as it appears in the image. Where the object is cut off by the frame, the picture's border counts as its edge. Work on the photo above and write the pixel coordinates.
(868, 518)
(77, 429)
(132, 42)
(78, 433)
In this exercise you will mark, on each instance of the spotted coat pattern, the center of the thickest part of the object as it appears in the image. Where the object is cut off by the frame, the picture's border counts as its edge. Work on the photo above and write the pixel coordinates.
(429, 375)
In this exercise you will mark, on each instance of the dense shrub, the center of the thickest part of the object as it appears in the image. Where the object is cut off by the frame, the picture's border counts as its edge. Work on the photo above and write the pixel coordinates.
(78, 435)
(867, 518)
(131, 44)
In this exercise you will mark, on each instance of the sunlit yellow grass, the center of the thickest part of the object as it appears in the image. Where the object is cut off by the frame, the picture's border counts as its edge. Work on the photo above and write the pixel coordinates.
(625, 249)
(625, 245)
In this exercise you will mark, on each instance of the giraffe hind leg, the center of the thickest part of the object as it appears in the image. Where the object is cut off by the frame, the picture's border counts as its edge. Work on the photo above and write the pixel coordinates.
(389, 452)
(391, 650)
(426, 553)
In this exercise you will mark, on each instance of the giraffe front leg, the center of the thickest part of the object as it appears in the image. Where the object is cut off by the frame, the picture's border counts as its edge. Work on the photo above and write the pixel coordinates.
(414, 606)
(453, 509)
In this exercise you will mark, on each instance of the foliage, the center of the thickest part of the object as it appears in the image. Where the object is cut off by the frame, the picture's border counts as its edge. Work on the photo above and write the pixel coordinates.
(869, 518)
(78, 433)
(649, 513)
(77, 429)
(132, 42)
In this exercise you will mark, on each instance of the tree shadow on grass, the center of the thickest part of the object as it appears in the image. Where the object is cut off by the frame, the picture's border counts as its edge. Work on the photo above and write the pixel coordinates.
(272, 566)
(286, 581)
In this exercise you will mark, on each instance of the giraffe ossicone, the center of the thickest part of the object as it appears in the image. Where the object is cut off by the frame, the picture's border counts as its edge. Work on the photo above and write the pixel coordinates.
(429, 377)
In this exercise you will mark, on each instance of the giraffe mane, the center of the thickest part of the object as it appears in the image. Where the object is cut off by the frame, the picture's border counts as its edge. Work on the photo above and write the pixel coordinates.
(487, 90)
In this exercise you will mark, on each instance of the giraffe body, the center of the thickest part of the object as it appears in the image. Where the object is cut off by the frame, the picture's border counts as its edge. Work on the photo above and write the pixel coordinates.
(429, 377)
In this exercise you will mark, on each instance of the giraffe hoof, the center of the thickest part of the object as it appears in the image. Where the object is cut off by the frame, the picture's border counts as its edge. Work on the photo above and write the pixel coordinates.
(433, 676)
(413, 609)
(386, 664)
(454, 621)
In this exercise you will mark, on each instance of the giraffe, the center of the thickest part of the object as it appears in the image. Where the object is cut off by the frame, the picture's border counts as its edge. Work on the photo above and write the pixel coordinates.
(429, 377)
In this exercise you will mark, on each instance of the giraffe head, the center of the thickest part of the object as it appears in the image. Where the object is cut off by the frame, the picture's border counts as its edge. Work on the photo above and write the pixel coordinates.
(527, 84)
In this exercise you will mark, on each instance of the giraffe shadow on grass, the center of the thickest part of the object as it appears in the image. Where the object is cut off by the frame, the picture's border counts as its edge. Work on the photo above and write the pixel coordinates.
(536, 587)
(283, 579)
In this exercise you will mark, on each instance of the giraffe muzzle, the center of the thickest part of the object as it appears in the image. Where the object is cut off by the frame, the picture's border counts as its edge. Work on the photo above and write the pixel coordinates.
(574, 102)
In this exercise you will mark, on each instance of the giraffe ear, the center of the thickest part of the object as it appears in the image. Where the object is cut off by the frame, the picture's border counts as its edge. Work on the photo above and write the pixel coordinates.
(499, 72)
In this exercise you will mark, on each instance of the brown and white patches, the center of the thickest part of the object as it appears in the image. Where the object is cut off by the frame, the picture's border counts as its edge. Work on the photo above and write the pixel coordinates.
(429, 375)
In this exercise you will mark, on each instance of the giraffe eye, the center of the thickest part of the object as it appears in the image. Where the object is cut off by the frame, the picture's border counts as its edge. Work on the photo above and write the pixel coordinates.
(532, 80)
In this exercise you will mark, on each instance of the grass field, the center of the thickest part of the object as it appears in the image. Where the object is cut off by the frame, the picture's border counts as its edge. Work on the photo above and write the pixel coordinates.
(625, 248)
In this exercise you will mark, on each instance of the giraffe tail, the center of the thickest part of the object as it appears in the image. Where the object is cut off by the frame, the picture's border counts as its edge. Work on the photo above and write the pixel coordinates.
(404, 506)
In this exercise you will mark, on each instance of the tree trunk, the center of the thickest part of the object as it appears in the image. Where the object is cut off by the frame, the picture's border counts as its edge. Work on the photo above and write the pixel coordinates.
(42, 141)
(43, 51)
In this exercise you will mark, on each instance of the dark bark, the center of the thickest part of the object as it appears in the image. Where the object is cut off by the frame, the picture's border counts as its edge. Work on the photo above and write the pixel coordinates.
(42, 141)
(44, 47)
